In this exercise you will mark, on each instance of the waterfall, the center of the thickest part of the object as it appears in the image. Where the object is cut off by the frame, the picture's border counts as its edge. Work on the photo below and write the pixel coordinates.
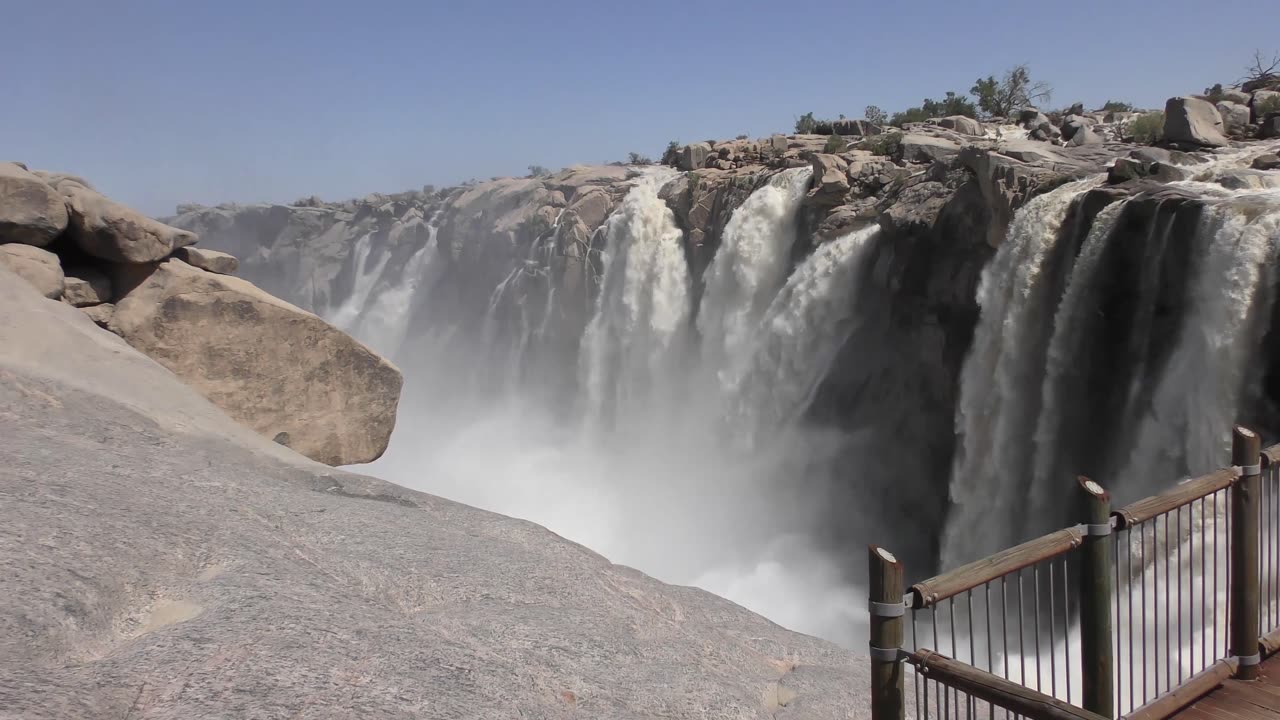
(803, 329)
(749, 267)
(1123, 356)
(1000, 382)
(1188, 424)
(634, 342)
(383, 324)
(365, 279)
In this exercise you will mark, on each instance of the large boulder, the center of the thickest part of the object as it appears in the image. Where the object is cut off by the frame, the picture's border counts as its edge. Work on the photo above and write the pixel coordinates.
(210, 260)
(1264, 101)
(1270, 161)
(1084, 136)
(1192, 120)
(38, 267)
(962, 124)
(1236, 95)
(108, 230)
(1269, 127)
(694, 155)
(1235, 117)
(31, 211)
(927, 148)
(280, 370)
(830, 180)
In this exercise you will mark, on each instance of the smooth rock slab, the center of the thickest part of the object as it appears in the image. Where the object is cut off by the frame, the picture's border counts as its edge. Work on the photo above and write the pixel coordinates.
(162, 562)
(268, 364)
(38, 267)
(31, 211)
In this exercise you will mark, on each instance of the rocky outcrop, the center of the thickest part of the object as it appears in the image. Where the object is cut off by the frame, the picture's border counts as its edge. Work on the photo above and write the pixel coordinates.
(279, 369)
(1193, 121)
(31, 211)
(86, 286)
(694, 156)
(963, 125)
(1235, 117)
(110, 231)
(38, 267)
(147, 526)
(275, 368)
(210, 260)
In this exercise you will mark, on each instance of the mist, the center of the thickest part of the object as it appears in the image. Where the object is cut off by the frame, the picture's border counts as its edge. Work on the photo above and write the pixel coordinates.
(682, 452)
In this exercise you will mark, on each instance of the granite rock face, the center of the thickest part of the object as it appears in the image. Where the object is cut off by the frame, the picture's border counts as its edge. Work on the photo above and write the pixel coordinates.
(162, 561)
(276, 368)
(31, 211)
(38, 267)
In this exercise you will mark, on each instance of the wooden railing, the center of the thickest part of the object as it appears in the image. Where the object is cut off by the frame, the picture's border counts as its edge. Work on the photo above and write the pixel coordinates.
(1134, 613)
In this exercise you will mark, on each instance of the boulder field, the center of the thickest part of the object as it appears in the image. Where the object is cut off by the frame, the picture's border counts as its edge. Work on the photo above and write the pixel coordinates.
(274, 367)
(160, 560)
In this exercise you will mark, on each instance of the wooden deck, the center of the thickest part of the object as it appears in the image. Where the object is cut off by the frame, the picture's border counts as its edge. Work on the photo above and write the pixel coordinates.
(1238, 700)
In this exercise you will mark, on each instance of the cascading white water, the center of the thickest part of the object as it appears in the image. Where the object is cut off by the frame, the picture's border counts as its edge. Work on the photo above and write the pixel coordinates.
(1188, 425)
(805, 326)
(1024, 382)
(634, 343)
(383, 323)
(1000, 383)
(749, 267)
(363, 283)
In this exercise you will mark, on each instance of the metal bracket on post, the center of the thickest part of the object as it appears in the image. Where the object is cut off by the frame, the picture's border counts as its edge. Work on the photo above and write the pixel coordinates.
(889, 655)
(885, 601)
(886, 610)
(1250, 661)
(1097, 660)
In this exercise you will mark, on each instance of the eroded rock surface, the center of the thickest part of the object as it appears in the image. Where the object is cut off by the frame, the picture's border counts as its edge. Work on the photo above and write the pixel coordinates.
(161, 561)
(274, 367)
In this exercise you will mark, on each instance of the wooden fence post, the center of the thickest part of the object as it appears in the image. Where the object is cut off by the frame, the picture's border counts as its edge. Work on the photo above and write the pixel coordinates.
(1096, 660)
(887, 701)
(1245, 453)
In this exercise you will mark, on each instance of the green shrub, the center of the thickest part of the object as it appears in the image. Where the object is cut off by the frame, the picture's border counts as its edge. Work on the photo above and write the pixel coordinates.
(743, 136)
(1117, 106)
(885, 144)
(835, 144)
(636, 158)
(875, 115)
(538, 171)
(1270, 105)
(1147, 128)
(671, 156)
(951, 104)
(805, 124)
(1214, 94)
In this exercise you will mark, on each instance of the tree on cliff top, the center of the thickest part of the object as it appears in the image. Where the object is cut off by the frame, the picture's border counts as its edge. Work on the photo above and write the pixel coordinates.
(950, 105)
(999, 98)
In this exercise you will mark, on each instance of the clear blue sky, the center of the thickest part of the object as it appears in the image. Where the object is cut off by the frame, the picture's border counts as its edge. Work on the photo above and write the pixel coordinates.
(162, 102)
